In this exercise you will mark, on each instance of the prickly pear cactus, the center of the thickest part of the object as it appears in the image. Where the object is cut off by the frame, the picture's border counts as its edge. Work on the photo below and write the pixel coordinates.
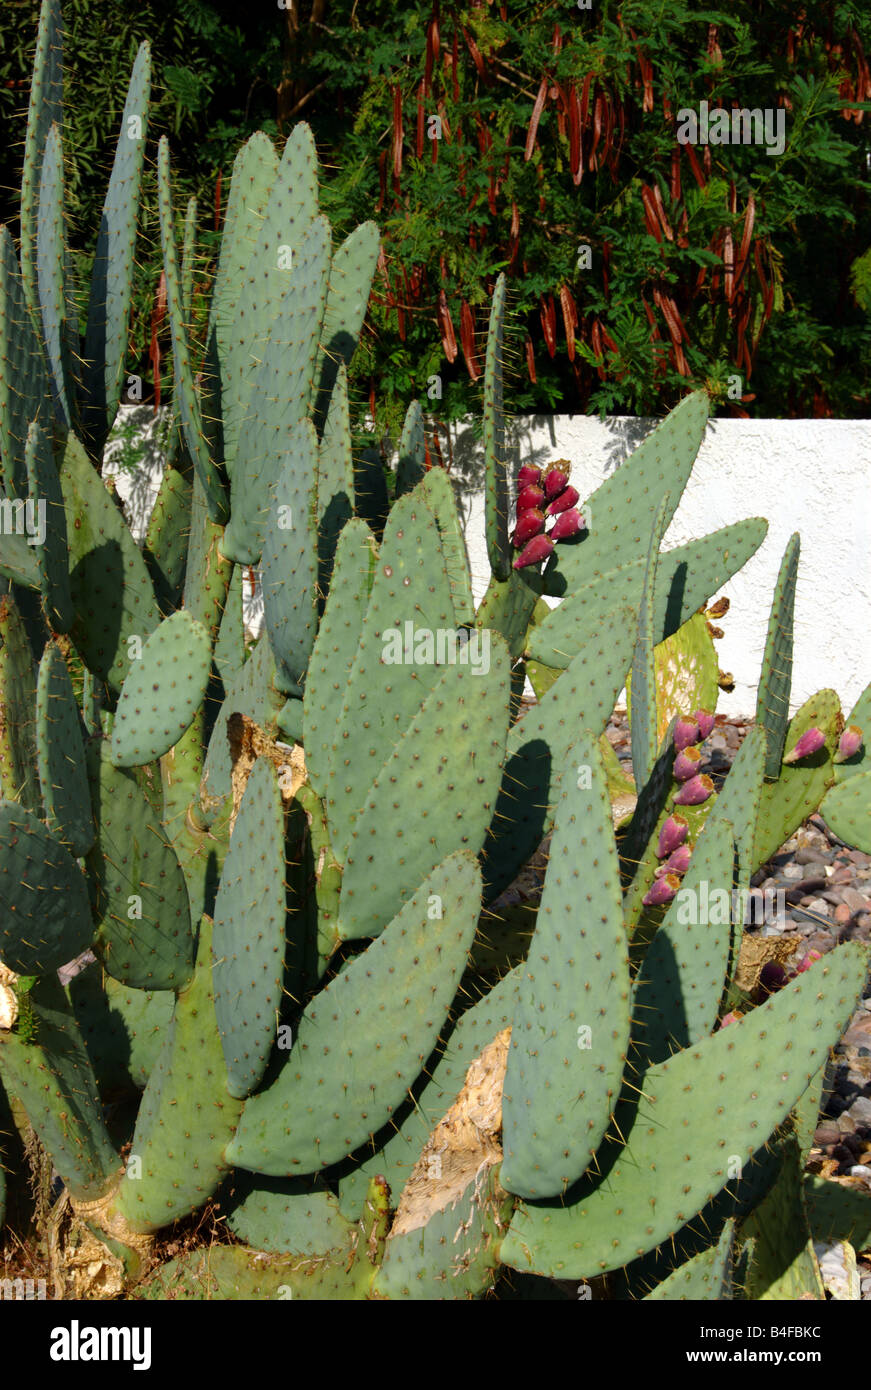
(292, 864)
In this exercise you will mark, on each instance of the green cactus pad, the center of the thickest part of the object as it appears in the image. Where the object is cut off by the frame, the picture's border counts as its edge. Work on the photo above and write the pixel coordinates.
(644, 721)
(109, 583)
(784, 805)
(846, 809)
(539, 747)
(508, 607)
(277, 403)
(619, 511)
(61, 756)
(680, 983)
(359, 1045)
(400, 1148)
(447, 760)
(140, 899)
(207, 571)
(51, 275)
(860, 715)
(186, 1116)
(495, 475)
(45, 492)
(739, 799)
(676, 1159)
(44, 916)
(336, 647)
(775, 681)
(185, 392)
(53, 1080)
(252, 692)
(289, 566)
(248, 938)
(437, 491)
(570, 1032)
(112, 275)
(455, 1253)
(162, 691)
(837, 1212)
(226, 1272)
(123, 1029)
(46, 108)
(411, 467)
(230, 647)
(166, 540)
(254, 171)
(411, 608)
(335, 489)
(686, 577)
(707, 1276)
(784, 1266)
(24, 393)
(350, 283)
(287, 1215)
(18, 776)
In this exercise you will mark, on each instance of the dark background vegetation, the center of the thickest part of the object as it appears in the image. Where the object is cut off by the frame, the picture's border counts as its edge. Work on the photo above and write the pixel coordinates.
(558, 129)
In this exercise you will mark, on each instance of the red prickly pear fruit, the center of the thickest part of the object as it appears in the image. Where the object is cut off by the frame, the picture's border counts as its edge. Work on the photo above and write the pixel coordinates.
(567, 498)
(538, 549)
(730, 1018)
(672, 834)
(772, 977)
(554, 482)
(679, 861)
(810, 742)
(531, 496)
(686, 732)
(662, 891)
(566, 525)
(849, 743)
(695, 791)
(531, 522)
(705, 722)
(686, 764)
(808, 960)
(528, 474)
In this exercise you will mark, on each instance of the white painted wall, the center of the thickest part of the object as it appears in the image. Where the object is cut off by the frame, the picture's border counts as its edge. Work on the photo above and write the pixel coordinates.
(811, 476)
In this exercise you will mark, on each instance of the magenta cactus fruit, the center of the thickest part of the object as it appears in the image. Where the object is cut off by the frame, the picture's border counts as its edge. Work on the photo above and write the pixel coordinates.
(730, 1018)
(695, 791)
(671, 836)
(807, 960)
(686, 732)
(849, 743)
(528, 475)
(566, 525)
(531, 522)
(554, 482)
(531, 496)
(686, 764)
(662, 891)
(772, 977)
(538, 549)
(810, 742)
(679, 860)
(705, 722)
(567, 498)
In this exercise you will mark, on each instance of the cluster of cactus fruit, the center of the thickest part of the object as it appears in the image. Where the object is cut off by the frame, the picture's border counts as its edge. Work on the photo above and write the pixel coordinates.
(552, 492)
(314, 999)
